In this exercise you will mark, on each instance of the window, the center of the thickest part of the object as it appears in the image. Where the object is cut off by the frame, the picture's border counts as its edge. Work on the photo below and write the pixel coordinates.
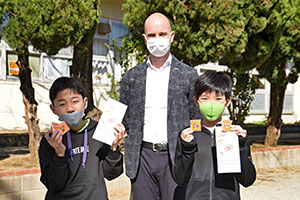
(258, 105)
(56, 67)
(99, 47)
(100, 39)
(34, 64)
(11, 60)
(107, 31)
(119, 31)
(116, 31)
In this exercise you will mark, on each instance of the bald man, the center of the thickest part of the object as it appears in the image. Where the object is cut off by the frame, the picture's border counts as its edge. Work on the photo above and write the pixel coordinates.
(159, 94)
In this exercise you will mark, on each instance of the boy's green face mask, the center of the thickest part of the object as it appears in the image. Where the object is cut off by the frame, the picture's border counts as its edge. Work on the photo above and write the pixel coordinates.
(211, 110)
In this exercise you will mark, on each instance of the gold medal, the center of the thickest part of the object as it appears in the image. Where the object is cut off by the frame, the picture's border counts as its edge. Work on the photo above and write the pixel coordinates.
(196, 124)
(226, 125)
(62, 127)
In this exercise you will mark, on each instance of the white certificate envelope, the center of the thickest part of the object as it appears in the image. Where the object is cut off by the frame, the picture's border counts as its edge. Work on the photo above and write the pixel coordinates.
(112, 114)
(228, 152)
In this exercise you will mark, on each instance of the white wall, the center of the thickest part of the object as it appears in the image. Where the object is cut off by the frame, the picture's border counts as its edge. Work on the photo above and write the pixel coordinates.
(297, 101)
(11, 104)
(12, 107)
(112, 9)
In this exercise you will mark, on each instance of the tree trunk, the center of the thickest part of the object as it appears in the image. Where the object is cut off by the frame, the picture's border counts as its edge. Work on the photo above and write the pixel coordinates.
(30, 104)
(276, 108)
(82, 68)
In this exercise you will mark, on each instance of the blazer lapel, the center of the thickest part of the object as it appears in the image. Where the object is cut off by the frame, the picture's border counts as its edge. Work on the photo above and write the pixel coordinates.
(141, 85)
(173, 80)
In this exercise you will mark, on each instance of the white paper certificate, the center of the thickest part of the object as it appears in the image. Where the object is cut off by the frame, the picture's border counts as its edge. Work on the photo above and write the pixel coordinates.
(112, 114)
(228, 152)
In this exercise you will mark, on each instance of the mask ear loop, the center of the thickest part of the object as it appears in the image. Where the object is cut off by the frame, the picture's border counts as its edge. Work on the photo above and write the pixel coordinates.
(85, 102)
(227, 102)
(145, 36)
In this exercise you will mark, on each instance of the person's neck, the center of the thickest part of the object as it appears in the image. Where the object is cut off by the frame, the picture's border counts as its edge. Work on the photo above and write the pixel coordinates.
(158, 62)
(76, 128)
(210, 124)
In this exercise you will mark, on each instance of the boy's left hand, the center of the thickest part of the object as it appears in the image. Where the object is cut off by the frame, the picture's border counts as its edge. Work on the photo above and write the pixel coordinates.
(119, 131)
(239, 130)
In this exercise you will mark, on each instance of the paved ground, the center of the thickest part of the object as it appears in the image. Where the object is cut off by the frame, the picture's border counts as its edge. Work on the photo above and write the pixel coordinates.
(274, 184)
(271, 184)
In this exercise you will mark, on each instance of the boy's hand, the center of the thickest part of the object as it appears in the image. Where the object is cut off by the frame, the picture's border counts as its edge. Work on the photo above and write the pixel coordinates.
(187, 135)
(239, 130)
(119, 131)
(55, 140)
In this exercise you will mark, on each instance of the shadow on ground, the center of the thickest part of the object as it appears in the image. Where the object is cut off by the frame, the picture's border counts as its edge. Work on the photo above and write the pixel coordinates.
(7, 151)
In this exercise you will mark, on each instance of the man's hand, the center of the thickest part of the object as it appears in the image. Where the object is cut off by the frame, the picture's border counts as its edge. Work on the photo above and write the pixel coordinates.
(55, 140)
(187, 135)
(119, 131)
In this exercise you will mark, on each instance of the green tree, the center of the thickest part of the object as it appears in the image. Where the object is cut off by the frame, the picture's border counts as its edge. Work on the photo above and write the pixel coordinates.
(283, 66)
(124, 59)
(63, 24)
(49, 26)
(273, 40)
(82, 67)
(242, 97)
(16, 33)
(241, 34)
(204, 31)
(1, 13)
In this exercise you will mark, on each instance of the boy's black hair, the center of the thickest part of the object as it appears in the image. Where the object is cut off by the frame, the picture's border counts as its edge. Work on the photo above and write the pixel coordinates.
(212, 81)
(62, 83)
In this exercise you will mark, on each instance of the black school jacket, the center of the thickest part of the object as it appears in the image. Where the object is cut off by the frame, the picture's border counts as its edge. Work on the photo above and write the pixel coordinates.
(196, 167)
(68, 180)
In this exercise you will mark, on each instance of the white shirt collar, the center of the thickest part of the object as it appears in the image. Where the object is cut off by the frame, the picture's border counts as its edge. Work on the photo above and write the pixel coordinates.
(166, 64)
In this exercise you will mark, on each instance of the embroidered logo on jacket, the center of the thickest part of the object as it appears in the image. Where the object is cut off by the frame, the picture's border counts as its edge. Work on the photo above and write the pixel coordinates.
(79, 150)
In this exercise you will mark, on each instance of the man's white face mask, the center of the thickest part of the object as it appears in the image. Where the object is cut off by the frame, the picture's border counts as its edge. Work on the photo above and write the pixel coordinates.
(159, 46)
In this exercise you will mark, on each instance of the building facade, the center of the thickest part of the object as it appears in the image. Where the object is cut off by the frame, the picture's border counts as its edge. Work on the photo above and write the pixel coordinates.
(45, 69)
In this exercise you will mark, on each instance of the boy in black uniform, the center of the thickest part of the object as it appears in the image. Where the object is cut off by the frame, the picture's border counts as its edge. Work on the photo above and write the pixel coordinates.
(73, 165)
(195, 159)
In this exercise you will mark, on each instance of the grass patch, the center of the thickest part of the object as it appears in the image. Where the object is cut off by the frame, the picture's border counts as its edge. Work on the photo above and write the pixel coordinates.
(16, 162)
(262, 146)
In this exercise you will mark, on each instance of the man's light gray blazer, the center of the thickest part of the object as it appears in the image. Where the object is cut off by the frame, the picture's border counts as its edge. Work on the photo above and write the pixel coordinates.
(181, 108)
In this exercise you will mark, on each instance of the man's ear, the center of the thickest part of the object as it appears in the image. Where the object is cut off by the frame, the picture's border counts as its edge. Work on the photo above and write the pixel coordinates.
(144, 38)
(52, 109)
(172, 34)
(196, 101)
(228, 102)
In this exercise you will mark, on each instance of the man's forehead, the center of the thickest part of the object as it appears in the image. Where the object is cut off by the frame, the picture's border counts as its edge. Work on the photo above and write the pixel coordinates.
(157, 32)
(157, 24)
(157, 29)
